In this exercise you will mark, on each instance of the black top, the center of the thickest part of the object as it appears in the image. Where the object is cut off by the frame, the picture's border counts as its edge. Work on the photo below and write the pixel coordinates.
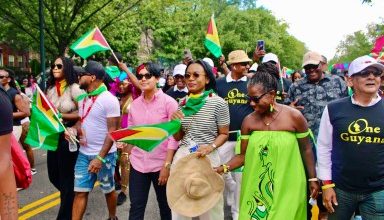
(358, 146)
(5, 113)
(177, 95)
(283, 85)
(234, 93)
(12, 92)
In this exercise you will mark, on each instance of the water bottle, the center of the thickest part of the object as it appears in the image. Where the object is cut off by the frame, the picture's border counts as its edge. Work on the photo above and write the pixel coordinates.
(72, 145)
(192, 146)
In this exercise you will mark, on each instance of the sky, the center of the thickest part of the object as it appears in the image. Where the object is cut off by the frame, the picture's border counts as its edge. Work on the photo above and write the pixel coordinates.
(322, 24)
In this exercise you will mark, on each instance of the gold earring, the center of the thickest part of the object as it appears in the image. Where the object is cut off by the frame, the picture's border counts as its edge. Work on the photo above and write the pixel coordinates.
(271, 107)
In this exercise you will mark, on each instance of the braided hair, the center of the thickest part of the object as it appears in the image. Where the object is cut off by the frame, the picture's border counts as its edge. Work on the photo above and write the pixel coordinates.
(266, 80)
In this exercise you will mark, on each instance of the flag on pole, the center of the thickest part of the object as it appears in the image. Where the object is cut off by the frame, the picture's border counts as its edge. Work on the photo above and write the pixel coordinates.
(147, 137)
(44, 127)
(212, 42)
(91, 42)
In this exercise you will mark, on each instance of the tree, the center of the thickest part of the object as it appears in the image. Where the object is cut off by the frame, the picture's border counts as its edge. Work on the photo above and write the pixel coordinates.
(65, 21)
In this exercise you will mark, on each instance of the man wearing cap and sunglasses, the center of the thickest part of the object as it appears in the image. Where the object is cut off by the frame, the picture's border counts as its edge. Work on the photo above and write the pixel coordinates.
(179, 90)
(311, 94)
(350, 146)
(233, 89)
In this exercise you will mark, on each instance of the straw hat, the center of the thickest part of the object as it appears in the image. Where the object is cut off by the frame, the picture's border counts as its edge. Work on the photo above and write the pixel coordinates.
(193, 187)
(238, 56)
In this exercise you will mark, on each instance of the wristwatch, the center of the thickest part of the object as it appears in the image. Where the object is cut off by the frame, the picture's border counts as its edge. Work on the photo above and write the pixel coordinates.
(167, 165)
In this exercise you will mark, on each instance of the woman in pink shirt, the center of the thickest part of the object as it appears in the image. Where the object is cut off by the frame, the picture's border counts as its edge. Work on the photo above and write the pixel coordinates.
(153, 106)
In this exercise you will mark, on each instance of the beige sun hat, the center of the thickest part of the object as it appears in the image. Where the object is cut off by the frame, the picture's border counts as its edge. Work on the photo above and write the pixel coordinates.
(193, 186)
(238, 56)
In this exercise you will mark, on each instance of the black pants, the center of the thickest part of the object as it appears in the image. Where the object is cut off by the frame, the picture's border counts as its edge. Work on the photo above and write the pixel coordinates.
(139, 184)
(61, 173)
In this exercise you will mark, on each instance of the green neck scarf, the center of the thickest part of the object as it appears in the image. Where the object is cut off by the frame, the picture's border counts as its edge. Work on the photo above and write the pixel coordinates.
(194, 104)
(102, 88)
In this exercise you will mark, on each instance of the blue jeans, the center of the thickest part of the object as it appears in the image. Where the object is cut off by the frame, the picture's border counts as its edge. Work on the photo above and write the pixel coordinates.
(85, 180)
(371, 205)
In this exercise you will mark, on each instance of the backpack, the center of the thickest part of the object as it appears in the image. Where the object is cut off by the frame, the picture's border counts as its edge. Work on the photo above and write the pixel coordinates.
(21, 166)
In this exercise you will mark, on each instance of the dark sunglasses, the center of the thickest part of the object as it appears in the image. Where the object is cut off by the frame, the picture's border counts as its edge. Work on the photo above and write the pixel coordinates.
(84, 74)
(195, 75)
(147, 76)
(256, 99)
(59, 66)
(2, 77)
(366, 73)
(244, 64)
(310, 67)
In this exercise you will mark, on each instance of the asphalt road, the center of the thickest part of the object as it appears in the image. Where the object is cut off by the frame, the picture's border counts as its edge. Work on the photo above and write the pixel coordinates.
(41, 200)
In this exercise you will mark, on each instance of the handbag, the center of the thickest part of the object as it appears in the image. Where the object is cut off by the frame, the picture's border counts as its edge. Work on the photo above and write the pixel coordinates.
(21, 166)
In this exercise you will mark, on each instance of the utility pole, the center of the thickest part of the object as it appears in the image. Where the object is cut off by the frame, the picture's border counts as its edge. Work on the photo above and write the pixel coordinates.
(42, 50)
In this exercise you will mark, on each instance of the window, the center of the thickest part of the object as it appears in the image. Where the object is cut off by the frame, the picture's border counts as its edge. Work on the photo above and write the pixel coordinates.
(20, 61)
(11, 60)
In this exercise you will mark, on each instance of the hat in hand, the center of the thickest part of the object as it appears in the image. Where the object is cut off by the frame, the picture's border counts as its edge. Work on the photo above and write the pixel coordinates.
(193, 186)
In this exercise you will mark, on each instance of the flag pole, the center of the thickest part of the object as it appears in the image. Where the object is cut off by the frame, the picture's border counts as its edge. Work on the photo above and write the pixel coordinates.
(54, 112)
(113, 53)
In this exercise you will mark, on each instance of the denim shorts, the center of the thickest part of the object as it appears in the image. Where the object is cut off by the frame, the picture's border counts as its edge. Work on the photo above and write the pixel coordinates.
(85, 180)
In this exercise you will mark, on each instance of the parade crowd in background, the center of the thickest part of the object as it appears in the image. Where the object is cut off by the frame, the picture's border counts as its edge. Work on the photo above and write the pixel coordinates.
(253, 143)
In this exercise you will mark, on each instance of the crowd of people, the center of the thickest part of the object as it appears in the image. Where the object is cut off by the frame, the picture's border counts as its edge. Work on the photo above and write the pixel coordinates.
(252, 143)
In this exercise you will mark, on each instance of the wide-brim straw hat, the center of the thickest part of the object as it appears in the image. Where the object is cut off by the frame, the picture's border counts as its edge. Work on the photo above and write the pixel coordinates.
(193, 186)
(238, 56)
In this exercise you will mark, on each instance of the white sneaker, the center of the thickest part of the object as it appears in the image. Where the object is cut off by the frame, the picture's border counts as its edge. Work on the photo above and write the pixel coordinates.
(33, 171)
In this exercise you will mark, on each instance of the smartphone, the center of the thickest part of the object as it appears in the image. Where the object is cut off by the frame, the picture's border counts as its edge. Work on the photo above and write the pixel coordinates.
(261, 45)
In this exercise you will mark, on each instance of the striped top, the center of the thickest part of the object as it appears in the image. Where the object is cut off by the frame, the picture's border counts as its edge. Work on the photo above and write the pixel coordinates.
(204, 127)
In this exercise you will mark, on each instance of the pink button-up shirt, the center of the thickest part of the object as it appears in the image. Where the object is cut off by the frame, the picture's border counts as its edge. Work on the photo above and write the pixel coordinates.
(142, 112)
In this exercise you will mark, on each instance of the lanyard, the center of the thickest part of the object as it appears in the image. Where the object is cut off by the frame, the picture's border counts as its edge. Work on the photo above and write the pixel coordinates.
(93, 98)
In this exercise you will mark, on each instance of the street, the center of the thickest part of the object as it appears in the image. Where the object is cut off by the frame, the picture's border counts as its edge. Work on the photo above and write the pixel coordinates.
(41, 200)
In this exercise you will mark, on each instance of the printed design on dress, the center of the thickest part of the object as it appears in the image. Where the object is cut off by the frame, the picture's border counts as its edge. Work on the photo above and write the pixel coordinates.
(262, 198)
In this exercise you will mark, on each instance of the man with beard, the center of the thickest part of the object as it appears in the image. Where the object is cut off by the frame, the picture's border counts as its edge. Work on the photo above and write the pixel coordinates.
(99, 113)
(179, 90)
(311, 94)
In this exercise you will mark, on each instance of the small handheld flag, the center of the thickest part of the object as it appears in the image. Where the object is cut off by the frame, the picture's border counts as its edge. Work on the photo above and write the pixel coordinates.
(212, 42)
(91, 42)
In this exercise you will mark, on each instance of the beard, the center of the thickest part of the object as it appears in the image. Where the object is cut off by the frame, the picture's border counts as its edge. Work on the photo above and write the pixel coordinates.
(84, 86)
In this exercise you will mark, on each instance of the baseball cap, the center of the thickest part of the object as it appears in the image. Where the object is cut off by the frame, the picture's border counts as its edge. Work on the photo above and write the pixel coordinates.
(312, 57)
(253, 68)
(209, 61)
(270, 57)
(95, 68)
(363, 62)
(179, 70)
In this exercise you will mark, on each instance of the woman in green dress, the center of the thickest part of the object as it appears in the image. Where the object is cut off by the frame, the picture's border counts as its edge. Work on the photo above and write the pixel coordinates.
(274, 146)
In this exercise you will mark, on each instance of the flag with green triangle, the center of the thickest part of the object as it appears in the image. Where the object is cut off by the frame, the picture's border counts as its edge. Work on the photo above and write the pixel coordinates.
(212, 42)
(91, 42)
(44, 127)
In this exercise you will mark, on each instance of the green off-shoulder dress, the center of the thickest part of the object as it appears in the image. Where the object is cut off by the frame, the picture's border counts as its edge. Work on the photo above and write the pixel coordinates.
(274, 182)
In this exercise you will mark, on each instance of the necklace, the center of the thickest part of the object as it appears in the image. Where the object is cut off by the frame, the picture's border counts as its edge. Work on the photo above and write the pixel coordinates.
(273, 118)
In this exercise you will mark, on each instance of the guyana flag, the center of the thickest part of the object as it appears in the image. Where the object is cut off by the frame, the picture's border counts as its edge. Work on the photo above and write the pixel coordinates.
(147, 137)
(212, 42)
(44, 127)
(91, 42)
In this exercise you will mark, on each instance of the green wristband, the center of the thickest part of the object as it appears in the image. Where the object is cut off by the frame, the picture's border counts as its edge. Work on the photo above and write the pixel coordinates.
(100, 158)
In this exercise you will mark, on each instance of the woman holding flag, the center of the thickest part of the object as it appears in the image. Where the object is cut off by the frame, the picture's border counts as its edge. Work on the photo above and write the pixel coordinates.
(62, 91)
(153, 106)
(204, 125)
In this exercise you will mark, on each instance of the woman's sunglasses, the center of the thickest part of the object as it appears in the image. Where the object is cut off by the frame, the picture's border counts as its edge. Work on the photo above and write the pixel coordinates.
(147, 76)
(195, 75)
(256, 99)
(59, 66)
(366, 73)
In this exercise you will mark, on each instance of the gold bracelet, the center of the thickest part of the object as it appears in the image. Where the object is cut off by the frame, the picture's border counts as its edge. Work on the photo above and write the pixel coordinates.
(328, 186)
(167, 165)
(225, 168)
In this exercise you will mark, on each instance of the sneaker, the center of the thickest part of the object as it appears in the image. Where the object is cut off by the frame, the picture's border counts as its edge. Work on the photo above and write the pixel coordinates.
(33, 171)
(121, 198)
(117, 186)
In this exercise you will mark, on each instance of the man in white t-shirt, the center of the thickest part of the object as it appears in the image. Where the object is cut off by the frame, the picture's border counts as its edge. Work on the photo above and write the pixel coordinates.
(99, 113)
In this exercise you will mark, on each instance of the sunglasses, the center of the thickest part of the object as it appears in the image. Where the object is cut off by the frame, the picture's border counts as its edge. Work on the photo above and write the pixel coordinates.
(311, 67)
(244, 64)
(59, 66)
(256, 99)
(147, 76)
(84, 74)
(2, 77)
(366, 73)
(195, 75)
